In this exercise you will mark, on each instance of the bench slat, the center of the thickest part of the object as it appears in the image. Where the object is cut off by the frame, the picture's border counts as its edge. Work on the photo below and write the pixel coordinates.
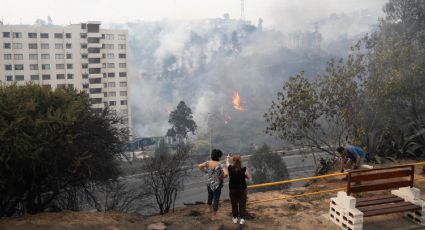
(378, 186)
(377, 212)
(380, 201)
(384, 206)
(361, 199)
(381, 175)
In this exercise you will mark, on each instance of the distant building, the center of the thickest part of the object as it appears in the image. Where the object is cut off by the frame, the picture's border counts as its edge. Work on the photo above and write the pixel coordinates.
(82, 56)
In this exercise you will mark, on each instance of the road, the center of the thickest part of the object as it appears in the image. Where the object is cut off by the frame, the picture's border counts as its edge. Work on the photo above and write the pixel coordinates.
(195, 186)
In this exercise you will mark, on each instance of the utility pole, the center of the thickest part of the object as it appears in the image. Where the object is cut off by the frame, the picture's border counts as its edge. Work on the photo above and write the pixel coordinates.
(243, 9)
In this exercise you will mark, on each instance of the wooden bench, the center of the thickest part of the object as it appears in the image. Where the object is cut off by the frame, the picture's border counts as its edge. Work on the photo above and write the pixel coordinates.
(348, 212)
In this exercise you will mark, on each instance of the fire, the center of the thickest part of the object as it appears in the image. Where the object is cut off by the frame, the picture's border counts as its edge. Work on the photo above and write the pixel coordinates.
(237, 101)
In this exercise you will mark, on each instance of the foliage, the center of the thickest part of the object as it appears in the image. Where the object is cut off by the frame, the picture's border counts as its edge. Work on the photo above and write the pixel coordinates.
(52, 141)
(182, 122)
(266, 166)
(166, 173)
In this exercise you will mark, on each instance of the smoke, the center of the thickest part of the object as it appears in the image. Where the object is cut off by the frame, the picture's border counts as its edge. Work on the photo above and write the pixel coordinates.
(203, 62)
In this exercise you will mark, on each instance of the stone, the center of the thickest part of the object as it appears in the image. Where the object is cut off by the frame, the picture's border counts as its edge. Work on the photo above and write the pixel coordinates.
(157, 226)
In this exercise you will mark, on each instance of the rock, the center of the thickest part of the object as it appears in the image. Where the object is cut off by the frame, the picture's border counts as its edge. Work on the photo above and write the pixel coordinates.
(157, 226)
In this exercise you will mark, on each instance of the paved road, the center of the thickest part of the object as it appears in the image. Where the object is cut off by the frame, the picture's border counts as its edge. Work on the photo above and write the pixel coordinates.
(195, 186)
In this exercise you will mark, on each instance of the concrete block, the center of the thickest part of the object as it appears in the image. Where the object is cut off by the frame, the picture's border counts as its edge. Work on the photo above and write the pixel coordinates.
(407, 193)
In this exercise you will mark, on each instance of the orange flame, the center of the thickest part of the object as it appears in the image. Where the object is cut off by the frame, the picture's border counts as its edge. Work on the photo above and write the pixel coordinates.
(237, 101)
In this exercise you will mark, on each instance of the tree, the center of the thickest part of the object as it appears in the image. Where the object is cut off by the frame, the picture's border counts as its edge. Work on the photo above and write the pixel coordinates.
(182, 122)
(166, 174)
(266, 166)
(52, 141)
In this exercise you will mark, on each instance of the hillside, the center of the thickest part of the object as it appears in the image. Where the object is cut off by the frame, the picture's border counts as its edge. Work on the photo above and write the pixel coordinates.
(307, 212)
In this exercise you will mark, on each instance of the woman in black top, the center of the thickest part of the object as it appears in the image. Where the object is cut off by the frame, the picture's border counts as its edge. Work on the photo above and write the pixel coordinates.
(237, 188)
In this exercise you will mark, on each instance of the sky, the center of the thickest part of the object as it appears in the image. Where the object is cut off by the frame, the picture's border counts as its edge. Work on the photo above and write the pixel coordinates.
(274, 12)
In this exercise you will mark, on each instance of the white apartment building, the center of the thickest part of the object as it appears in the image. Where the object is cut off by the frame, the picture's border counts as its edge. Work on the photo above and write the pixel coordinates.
(82, 56)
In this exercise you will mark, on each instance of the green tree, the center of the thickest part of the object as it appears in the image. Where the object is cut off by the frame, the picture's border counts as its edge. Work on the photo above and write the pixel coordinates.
(52, 141)
(266, 166)
(182, 122)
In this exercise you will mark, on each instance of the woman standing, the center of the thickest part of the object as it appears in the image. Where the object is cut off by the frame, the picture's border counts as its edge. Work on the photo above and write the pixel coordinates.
(215, 172)
(237, 188)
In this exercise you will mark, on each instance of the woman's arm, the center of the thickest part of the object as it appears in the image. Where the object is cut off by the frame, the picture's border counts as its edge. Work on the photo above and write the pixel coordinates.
(225, 172)
(247, 175)
(203, 166)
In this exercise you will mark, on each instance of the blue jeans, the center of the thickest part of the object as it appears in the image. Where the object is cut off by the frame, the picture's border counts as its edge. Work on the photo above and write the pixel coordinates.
(214, 196)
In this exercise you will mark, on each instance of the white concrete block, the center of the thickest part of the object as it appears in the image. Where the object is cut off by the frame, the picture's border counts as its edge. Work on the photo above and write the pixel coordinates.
(407, 193)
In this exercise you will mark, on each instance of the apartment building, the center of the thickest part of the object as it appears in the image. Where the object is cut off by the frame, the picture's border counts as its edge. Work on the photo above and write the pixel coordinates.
(83, 56)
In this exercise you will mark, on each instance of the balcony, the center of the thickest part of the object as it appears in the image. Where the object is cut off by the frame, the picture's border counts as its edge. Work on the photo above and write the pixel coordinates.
(94, 55)
(94, 45)
(94, 35)
(95, 65)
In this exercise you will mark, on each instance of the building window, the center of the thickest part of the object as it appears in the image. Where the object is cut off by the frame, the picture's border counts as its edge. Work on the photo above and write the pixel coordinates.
(35, 78)
(45, 77)
(17, 34)
(68, 56)
(19, 78)
(83, 26)
(19, 67)
(33, 66)
(112, 103)
(8, 67)
(103, 55)
(6, 45)
(60, 76)
(44, 35)
(32, 46)
(17, 45)
(59, 56)
(124, 111)
(70, 86)
(18, 56)
(45, 56)
(85, 76)
(124, 102)
(45, 66)
(109, 46)
(70, 76)
(111, 84)
(84, 56)
(7, 56)
(85, 86)
(123, 93)
(58, 46)
(95, 91)
(6, 34)
(32, 35)
(121, 36)
(123, 74)
(60, 66)
(109, 36)
(95, 81)
(68, 35)
(83, 45)
(84, 65)
(123, 84)
(123, 65)
(112, 94)
(69, 66)
(61, 86)
(44, 45)
(47, 86)
(111, 56)
(121, 55)
(111, 65)
(94, 70)
(33, 56)
(9, 78)
(105, 85)
(68, 45)
(111, 74)
(58, 35)
(121, 46)
(103, 65)
(104, 76)
(83, 35)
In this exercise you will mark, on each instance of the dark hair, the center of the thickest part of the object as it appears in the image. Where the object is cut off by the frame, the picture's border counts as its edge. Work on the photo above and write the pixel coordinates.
(216, 154)
(340, 149)
(237, 162)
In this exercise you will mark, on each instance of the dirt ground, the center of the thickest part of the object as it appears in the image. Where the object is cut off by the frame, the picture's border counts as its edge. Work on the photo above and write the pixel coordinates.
(309, 212)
